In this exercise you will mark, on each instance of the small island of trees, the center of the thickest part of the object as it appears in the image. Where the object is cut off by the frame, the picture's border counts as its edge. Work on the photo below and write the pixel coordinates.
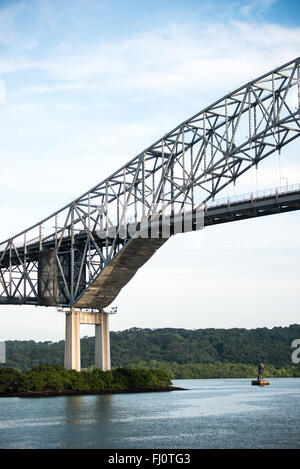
(55, 380)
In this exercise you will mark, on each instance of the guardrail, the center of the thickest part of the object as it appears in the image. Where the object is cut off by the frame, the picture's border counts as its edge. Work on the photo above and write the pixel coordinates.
(253, 196)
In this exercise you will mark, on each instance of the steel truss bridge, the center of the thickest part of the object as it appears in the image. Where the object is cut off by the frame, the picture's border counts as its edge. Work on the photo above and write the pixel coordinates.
(82, 255)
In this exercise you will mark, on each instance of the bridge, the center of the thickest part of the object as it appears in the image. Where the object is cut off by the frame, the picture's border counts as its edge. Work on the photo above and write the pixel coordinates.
(80, 257)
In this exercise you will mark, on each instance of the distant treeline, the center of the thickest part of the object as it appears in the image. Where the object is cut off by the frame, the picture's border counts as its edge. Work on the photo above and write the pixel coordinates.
(183, 353)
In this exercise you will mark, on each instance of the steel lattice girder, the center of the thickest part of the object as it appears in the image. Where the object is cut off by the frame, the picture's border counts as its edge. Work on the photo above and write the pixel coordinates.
(184, 169)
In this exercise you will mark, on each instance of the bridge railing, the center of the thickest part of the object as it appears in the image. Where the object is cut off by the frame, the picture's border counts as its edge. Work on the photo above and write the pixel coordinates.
(254, 196)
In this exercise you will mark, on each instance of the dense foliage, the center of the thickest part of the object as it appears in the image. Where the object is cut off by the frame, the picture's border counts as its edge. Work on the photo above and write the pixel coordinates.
(183, 353)
(222, 370)
(56, 378)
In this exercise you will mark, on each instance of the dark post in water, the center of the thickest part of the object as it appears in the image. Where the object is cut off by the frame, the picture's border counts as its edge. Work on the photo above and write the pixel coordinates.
(260, 379)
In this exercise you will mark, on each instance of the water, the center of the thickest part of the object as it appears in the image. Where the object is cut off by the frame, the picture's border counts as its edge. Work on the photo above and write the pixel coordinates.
(227, 413)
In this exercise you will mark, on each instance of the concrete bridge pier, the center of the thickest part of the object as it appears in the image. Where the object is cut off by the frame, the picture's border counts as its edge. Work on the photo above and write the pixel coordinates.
(102, 345)
(72, 343)
(72, 340)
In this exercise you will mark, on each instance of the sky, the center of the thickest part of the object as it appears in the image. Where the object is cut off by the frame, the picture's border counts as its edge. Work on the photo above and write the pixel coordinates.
(87, 85)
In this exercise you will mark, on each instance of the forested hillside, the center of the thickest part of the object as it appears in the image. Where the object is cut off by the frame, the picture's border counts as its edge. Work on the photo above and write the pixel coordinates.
(185, 353)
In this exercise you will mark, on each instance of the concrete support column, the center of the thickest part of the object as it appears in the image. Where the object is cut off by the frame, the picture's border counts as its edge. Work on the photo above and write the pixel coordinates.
(72, 343)
(102, 344)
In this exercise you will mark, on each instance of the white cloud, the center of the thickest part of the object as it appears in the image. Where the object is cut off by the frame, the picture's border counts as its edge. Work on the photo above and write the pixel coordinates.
(8, 15)
(2, 92)
(259, 6)
(199, 59)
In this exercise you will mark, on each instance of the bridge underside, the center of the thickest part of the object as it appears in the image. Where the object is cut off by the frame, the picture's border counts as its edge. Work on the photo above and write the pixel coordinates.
(118, 273)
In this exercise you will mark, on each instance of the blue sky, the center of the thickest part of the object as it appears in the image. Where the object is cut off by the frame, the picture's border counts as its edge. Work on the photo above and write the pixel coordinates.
(89, 84)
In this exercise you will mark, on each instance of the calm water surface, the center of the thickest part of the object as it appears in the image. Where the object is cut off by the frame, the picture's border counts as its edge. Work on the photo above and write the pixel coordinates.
(227, 413)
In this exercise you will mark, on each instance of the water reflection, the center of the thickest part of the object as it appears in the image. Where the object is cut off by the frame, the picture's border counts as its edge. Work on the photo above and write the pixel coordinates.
(72, 407)
(88, 409)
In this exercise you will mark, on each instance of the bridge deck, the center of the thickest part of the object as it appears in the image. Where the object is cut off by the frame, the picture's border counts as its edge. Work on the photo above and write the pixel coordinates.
(251, 208)
(137, 252)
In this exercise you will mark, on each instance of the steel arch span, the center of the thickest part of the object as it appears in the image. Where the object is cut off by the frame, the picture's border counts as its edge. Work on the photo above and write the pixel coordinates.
(83, 254)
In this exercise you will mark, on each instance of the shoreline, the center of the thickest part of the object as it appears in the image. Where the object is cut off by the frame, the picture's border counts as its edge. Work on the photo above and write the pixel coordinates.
(91, 393)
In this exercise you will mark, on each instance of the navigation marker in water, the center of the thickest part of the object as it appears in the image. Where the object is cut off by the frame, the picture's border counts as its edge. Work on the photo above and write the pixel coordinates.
(260, 379)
